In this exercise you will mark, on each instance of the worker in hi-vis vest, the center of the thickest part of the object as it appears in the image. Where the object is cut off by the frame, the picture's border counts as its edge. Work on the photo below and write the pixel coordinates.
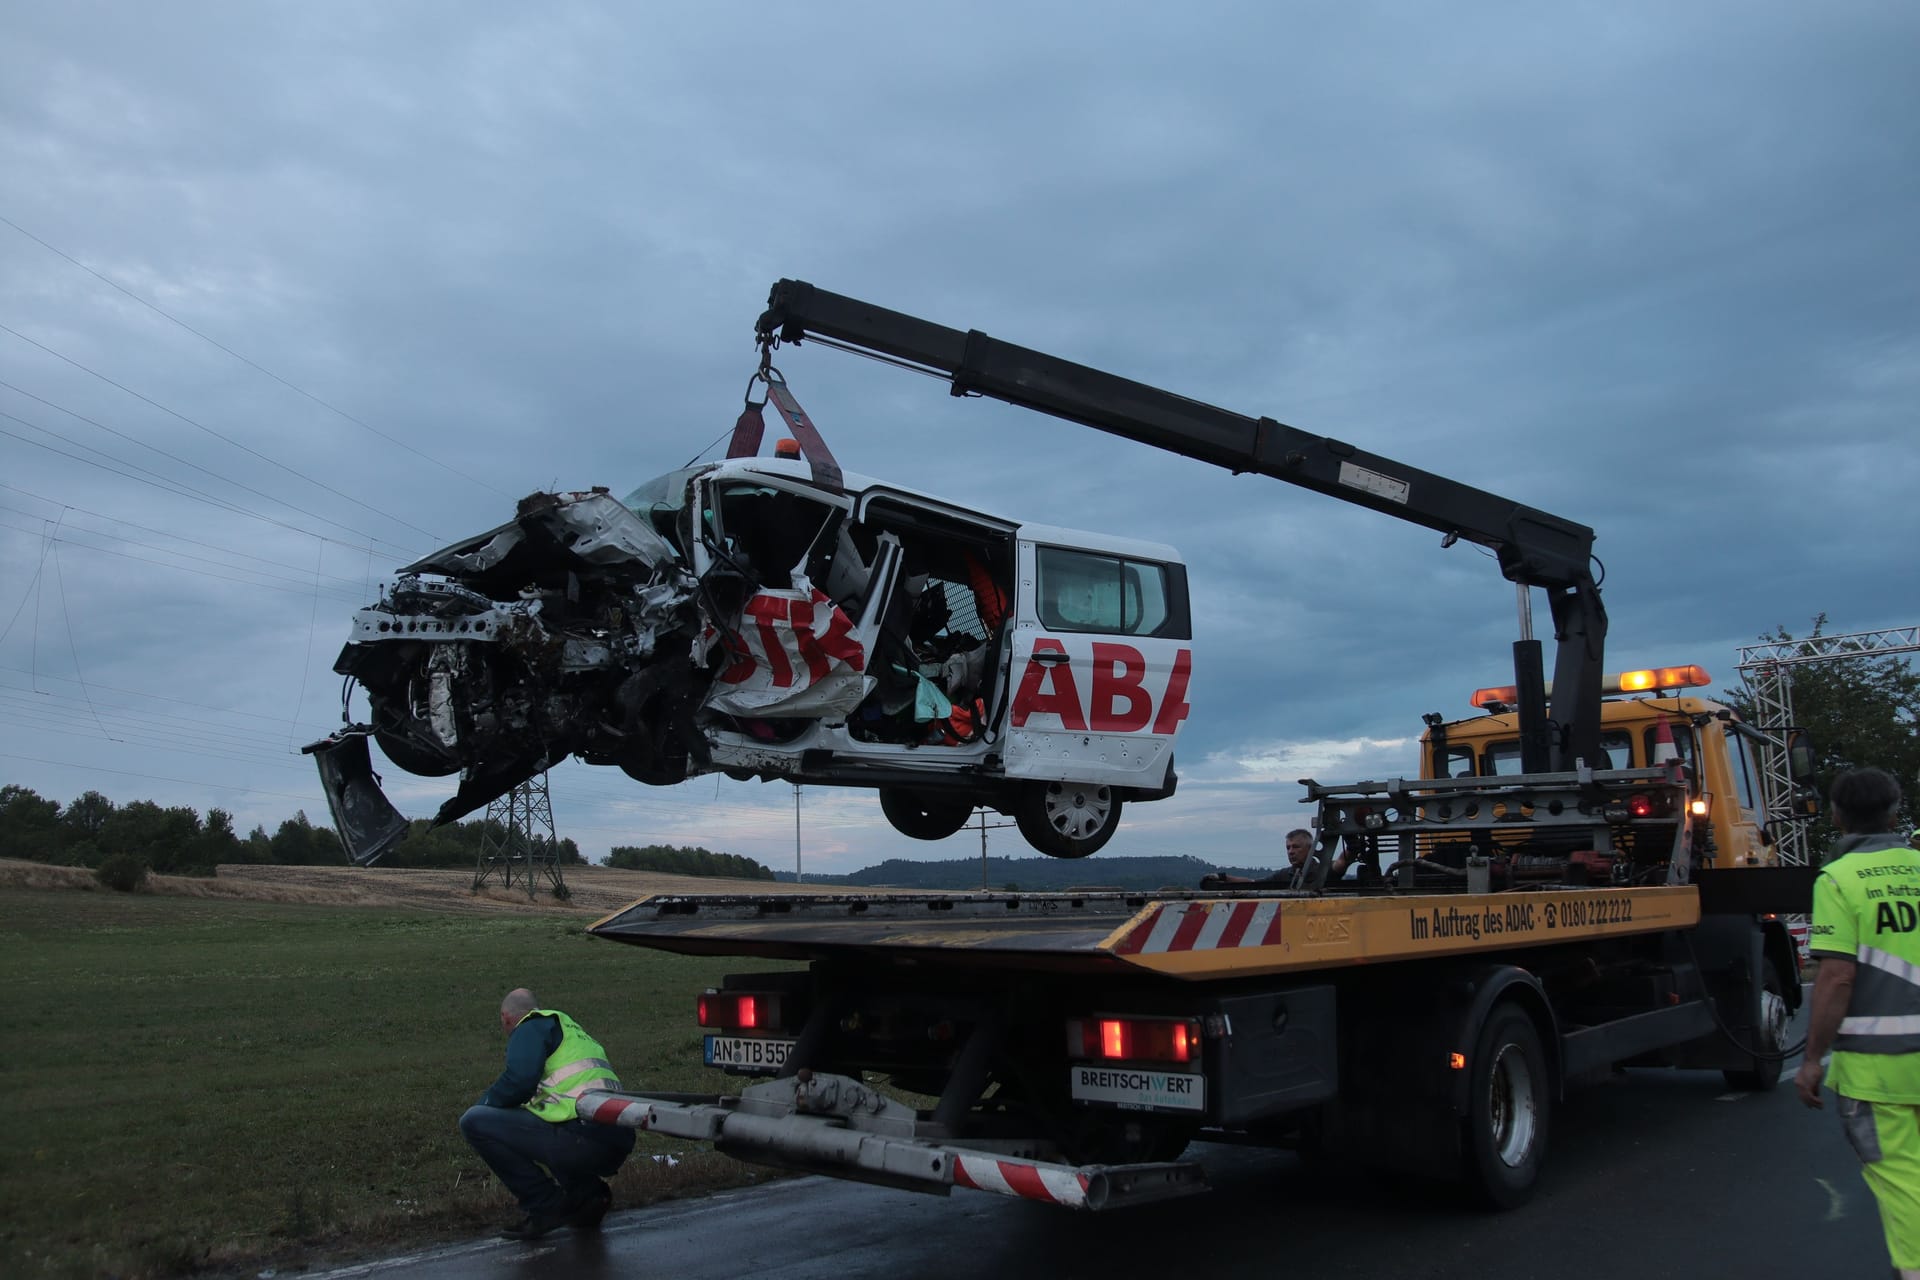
(526, 1129)
(1866, 1000)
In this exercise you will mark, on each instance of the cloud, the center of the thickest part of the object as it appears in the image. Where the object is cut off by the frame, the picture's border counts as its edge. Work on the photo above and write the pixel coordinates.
(1649, 270)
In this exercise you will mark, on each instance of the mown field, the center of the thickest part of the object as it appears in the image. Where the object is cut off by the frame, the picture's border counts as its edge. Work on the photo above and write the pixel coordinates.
(222, 1083)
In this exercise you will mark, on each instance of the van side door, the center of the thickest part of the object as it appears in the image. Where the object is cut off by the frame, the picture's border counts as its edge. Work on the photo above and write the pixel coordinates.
(1102, 656)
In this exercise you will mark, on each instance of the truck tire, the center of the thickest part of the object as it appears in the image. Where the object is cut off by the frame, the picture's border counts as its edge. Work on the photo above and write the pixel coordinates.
(1508, 1104)
(922, 815)
(1067, 819)
(1772, 1037)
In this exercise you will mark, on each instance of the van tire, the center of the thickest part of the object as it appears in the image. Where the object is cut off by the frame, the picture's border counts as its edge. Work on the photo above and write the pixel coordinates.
(923, 815)
(1067, 819)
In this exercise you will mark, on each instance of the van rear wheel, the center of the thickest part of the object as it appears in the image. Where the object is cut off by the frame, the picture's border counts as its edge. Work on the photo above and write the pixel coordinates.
(922, 815)
(1067, 819)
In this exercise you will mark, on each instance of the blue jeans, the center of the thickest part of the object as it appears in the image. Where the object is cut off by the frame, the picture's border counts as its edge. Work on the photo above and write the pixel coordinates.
(549, 1168)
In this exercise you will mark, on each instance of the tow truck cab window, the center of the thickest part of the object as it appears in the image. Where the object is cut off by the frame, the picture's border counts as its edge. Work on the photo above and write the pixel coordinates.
(1502, 759)
(1111, 595)
(1682, 744)
(1458, 762)
(1746, 781)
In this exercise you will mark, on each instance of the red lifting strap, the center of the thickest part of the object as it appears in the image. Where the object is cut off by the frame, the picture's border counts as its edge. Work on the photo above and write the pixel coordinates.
(826, 471)
(747, 430)
(750, 427)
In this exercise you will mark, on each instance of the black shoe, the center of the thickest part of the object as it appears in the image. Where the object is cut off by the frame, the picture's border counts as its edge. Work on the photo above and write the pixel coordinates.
(533, 1226)
(586, 1216)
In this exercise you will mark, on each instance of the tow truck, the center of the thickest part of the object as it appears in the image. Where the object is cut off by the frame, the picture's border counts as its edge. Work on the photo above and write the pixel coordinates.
(1553, 894)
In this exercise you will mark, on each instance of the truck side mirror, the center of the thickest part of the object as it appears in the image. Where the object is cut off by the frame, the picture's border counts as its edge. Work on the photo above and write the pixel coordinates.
(1800, 757)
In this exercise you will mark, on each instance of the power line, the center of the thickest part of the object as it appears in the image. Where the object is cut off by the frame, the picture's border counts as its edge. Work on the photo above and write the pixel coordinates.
(32, 584)
(131, 439)
(168, 564)
(152, 777)
(167, 315)
(168, 722)
(73, 645)
(225, 439)
(41, 724)
(295, 583)
(159, 697)
(177, 537)
(174, 487)
(25, 709)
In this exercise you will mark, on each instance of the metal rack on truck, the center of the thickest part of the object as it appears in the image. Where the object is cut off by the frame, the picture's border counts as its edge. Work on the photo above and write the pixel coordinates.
(1503, 933)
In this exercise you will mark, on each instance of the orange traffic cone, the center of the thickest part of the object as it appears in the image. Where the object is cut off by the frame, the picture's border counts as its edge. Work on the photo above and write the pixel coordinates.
(1664, 750)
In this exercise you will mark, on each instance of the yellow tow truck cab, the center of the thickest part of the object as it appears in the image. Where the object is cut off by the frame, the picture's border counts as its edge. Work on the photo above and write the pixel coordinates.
(1647, 722)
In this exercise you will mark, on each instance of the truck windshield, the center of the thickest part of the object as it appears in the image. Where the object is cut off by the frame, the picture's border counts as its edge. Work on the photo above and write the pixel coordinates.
(1502, 759)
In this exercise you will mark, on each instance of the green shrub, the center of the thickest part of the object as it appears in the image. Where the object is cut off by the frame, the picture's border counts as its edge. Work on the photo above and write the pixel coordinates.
(121, 872)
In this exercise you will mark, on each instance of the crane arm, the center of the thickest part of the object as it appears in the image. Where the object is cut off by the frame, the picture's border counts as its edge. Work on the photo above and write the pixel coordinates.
(1533, 547)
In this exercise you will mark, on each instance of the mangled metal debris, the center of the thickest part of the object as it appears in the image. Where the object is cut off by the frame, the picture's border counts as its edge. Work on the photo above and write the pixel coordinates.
(759, 618)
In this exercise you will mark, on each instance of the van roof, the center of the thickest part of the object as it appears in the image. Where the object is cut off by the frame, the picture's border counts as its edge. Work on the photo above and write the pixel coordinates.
(855, 484)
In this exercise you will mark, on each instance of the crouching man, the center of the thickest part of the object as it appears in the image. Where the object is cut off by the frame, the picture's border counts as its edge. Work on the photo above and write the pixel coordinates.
(526, 1129)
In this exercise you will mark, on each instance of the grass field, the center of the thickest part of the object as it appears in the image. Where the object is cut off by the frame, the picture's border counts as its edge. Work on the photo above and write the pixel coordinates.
(201, 1083)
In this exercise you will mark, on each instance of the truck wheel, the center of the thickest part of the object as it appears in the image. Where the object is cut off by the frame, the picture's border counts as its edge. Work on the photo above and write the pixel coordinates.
(1772, 1038)
(920, 815)
(1066, 819)
(1507, 1110)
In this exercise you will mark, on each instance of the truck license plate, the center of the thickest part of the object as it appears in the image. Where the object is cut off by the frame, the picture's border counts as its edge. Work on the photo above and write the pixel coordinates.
(1140, 1089)
(747, 1053)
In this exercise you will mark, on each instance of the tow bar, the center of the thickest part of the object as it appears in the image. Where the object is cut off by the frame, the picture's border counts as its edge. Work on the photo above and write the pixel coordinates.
(829, 1123)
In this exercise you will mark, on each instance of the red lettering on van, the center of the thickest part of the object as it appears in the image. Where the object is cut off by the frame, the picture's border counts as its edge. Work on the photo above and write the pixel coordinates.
(1174, 708)
(1048, 689)
(1118, 670)
(1120, 700)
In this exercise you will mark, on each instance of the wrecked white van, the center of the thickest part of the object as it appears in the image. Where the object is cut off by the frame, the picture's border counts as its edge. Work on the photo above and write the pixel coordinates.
(743, 617)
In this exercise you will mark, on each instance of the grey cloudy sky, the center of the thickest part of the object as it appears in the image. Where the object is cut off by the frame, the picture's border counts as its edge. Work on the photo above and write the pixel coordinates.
(1650, 267)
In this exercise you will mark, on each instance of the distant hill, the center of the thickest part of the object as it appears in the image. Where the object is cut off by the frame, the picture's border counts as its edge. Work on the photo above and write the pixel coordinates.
(1032, 875)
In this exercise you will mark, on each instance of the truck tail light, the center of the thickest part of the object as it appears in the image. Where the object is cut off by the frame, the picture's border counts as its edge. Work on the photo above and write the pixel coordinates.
(1135, 1039)
(1637, 805)
(739, 1010)
(1700, 806)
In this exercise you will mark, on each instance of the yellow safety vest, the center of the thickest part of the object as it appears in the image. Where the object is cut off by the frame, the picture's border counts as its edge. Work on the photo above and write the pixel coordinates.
(1866, 906)
(577, 1064)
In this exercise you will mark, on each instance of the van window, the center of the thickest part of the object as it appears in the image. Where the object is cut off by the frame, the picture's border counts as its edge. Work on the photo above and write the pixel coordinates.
(1086, 591)
(1502, 759)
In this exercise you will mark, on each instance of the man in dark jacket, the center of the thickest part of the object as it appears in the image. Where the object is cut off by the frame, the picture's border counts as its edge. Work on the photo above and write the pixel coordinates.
(526, 1128)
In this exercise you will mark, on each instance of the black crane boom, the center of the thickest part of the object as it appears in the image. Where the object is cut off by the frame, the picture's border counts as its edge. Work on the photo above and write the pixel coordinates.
(1534, 548)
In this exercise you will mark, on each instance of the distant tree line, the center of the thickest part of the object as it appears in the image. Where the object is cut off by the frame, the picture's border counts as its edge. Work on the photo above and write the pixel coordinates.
(178, 841)
(687, 861)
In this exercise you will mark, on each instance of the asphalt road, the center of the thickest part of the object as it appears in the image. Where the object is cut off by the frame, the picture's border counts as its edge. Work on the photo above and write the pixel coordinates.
(1652, 1174)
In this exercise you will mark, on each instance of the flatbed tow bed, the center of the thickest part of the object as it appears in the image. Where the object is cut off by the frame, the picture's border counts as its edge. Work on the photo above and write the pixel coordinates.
(1422, 1017)
(1179, 934)
(1271, 948)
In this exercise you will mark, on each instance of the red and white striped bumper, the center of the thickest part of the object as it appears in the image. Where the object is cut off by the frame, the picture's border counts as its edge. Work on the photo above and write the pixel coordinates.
(831, 1145)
